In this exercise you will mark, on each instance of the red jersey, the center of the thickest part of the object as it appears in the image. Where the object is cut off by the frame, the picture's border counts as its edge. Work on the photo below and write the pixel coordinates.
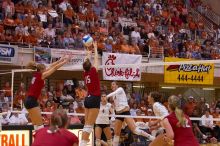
(183, 136)
(91, 80)
(63, 137)
(37, 83)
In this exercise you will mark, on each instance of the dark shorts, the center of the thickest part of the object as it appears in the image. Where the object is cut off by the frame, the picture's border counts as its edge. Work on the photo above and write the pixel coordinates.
(30, 102)
(92, 101)
(124, 113)
(102, 126)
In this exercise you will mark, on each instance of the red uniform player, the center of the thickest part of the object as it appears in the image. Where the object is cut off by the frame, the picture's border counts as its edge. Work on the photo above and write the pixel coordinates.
(178, 125)
(37, 83)
(92, 101)
(56, 134)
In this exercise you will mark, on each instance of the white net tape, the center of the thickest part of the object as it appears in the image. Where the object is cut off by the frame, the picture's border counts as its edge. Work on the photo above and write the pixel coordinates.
(120, 116)
(4, 73)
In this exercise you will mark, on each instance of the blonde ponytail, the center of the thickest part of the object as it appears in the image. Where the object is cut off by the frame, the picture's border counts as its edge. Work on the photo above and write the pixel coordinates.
(175, 106)
(32, 65)
(181, 117)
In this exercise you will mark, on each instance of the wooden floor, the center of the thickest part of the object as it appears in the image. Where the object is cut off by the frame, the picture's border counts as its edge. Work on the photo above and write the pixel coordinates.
(210, 144)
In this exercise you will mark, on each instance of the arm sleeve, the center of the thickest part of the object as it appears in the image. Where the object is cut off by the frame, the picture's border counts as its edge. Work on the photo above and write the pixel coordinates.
(160, 111)
(119, 90)
(203, 121)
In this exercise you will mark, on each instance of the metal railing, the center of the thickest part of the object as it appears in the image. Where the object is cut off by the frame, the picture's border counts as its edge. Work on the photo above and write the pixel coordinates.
(210, 14)
(197, 16)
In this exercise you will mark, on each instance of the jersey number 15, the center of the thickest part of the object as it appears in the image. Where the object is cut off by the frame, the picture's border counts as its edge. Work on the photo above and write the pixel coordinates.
(87, 80)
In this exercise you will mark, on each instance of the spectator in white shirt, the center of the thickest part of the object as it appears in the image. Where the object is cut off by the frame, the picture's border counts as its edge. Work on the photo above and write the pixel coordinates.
(63, 6)
(50, 31)
(135, 35)
(134, 110)
(207, 124)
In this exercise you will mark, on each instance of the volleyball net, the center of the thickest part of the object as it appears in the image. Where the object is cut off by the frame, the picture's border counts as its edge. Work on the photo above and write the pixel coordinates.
(176, 74)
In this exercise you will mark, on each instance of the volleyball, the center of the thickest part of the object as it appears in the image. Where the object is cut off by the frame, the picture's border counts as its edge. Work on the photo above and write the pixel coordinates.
(87, 40)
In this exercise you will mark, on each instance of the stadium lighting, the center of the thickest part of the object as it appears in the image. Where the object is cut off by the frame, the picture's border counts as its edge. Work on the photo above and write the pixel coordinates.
(167, 87)
(138, 86)
(208, 89)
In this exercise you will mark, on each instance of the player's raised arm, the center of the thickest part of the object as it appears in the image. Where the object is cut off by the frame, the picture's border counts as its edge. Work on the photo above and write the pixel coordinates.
(55, 67)
(96, 61)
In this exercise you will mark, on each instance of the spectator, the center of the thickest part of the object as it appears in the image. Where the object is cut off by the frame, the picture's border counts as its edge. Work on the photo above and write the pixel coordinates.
(20, 96)
(134, 109)
(207, 124)
(8, 8)
(68, 15)
(50, 32)
(80, 109)
(5, 118)
(217, 124)
(7, 92)
(135, 35)
(73, 119)
(43, 98)
(63, 6)
(18, 119)
(49, 107)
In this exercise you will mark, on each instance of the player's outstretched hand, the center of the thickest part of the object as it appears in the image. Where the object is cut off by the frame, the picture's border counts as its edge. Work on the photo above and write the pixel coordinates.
(95, 45)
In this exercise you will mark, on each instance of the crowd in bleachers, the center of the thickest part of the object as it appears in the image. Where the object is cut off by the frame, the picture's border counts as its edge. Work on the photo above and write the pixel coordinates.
(166, 28)
(70, 95)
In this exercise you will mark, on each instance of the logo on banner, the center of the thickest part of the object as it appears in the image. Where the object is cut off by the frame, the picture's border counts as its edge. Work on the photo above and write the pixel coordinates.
(188, 73)
(7, 52)
(127, 73)
(132, 73)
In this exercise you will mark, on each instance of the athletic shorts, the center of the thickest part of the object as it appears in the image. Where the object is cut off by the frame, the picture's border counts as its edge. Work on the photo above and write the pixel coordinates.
(30, 102)
(102, 126)
(124, 113)
(92, 101)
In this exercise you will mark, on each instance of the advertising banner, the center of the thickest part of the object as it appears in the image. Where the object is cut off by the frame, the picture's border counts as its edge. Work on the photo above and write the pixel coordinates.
(77, 58)
(188, 73)
(8, 54)
(132, 73)
(15, 138)
(42, 55)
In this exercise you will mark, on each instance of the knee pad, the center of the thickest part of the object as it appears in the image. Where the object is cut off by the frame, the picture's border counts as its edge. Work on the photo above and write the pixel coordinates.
(98, 142)
(88, 128)
(116, 140)
(109, 142)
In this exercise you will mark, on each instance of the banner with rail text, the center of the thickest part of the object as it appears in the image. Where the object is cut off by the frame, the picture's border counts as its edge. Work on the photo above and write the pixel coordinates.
(76, 61)
(188, 73)
(132, 73)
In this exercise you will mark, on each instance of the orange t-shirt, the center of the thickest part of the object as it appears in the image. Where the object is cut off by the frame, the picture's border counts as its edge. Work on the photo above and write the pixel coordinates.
(69, 13)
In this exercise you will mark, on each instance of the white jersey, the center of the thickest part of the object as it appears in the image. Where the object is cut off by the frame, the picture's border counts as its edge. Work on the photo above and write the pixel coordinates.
(119, 98)
(104, 112)
(160, 110)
